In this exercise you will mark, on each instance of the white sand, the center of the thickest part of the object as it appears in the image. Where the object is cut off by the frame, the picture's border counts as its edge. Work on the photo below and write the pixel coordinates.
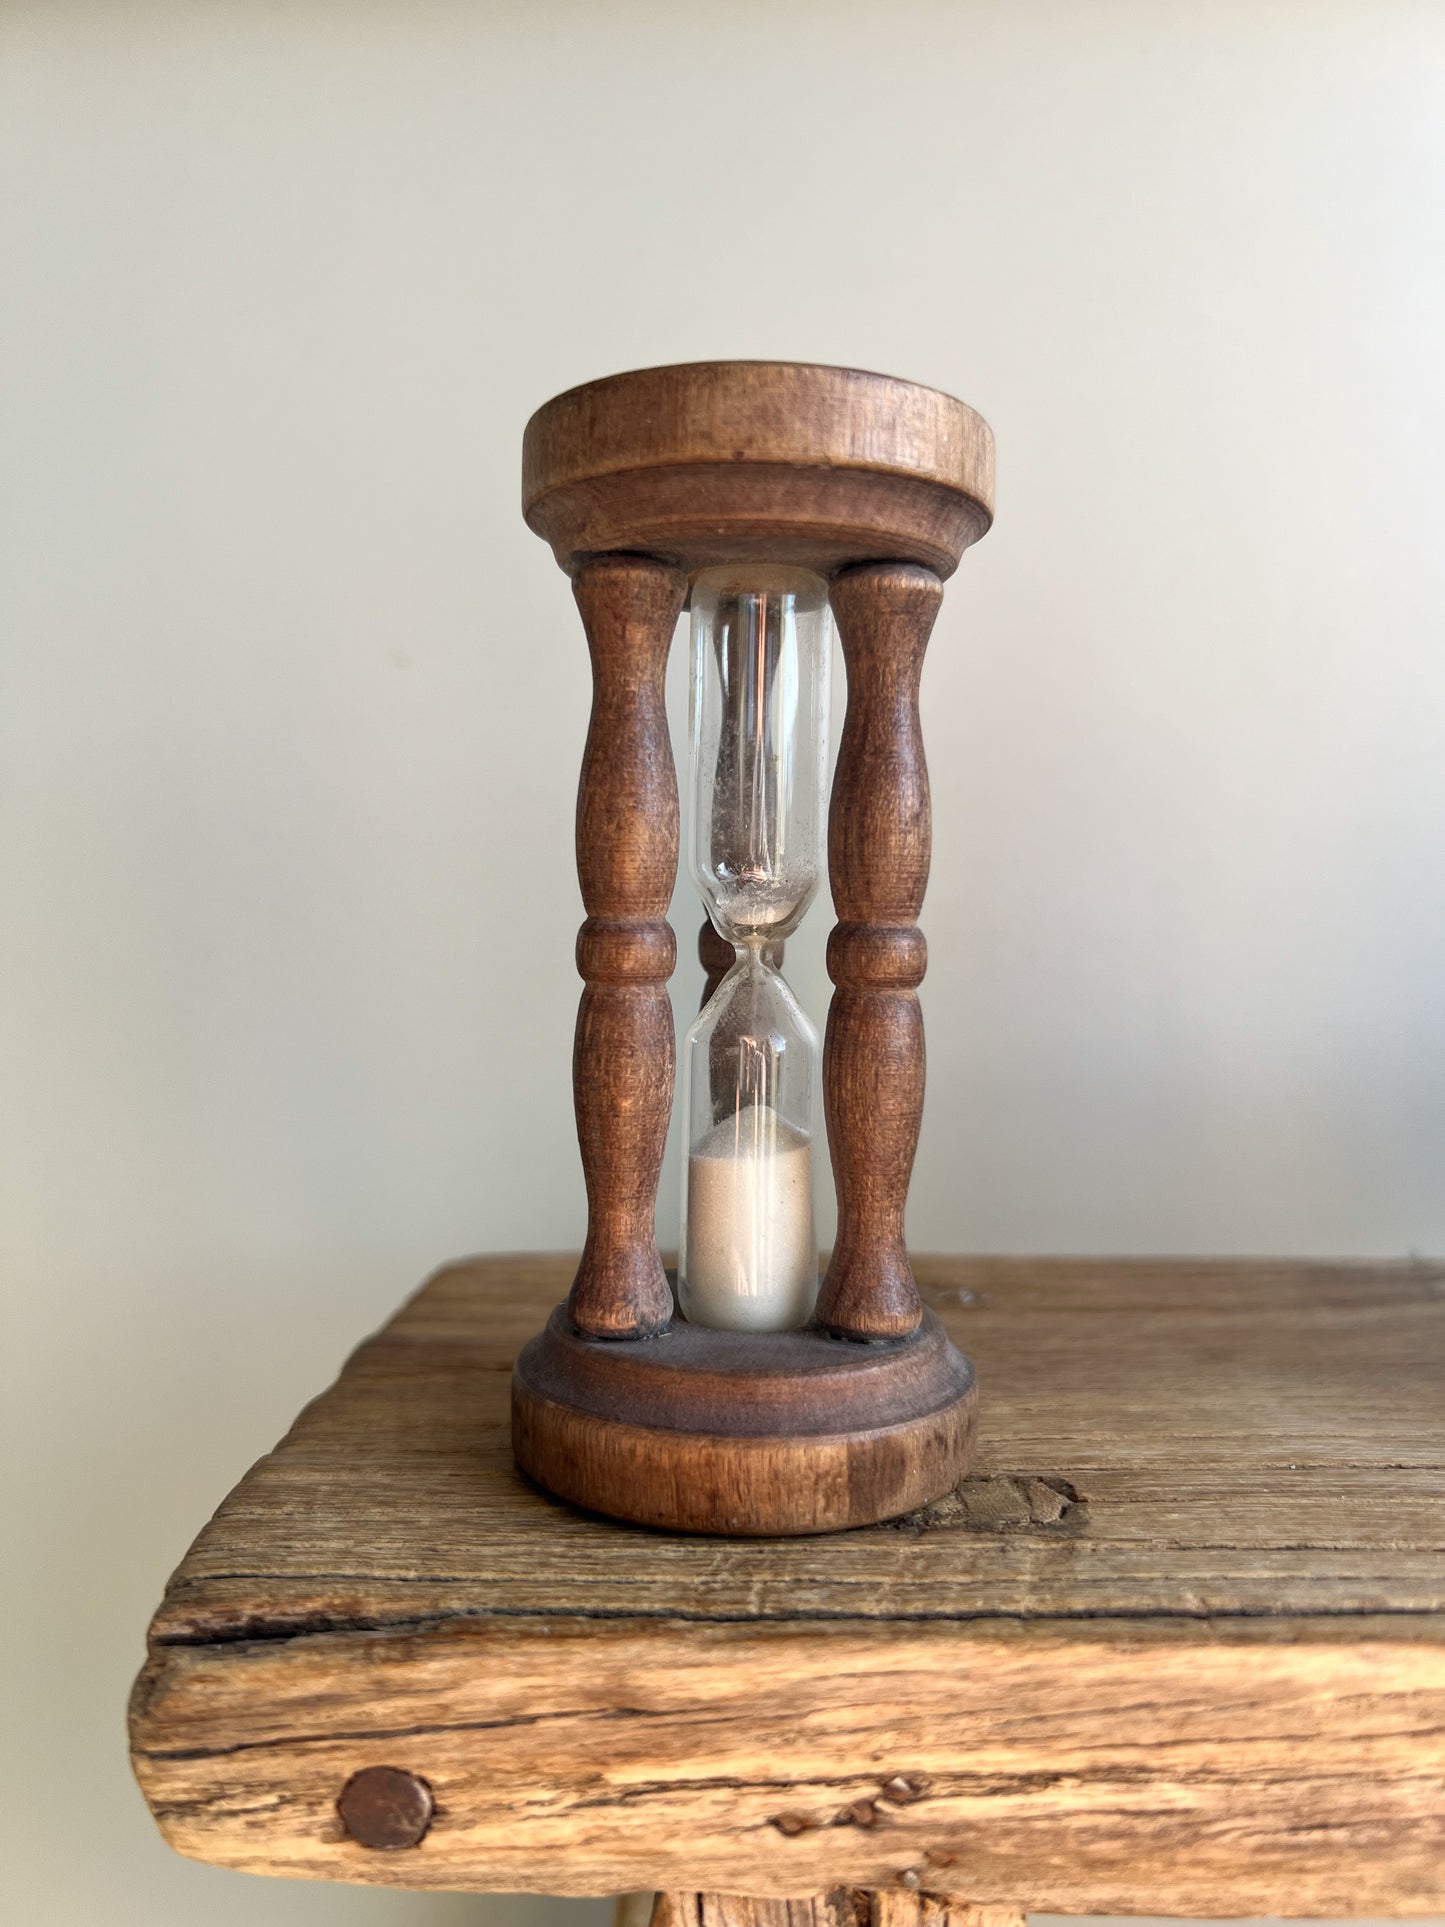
(751, 1261)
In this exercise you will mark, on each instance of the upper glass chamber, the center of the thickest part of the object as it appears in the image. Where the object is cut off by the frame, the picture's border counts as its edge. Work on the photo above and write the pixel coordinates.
(761, 639)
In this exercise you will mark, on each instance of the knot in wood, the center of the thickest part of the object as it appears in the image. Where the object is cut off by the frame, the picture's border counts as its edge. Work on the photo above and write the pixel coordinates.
(610, 951)
(385, 1807)
(870, 956)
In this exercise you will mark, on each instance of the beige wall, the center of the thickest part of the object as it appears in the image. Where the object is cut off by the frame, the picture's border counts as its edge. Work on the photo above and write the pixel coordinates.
(291, 703)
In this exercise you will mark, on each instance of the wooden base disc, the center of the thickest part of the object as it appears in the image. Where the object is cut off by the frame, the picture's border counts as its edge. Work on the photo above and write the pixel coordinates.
(750, 1434)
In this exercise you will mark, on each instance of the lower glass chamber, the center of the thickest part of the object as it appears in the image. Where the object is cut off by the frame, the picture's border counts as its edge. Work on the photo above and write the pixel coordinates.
(761, 650)
(749, 1257)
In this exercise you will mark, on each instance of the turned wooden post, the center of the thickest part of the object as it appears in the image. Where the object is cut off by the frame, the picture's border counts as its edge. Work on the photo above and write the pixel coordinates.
(623, 1057)
(879, 833)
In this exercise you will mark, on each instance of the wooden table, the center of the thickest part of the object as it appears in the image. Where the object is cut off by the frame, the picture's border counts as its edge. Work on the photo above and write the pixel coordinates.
(1178, 1647)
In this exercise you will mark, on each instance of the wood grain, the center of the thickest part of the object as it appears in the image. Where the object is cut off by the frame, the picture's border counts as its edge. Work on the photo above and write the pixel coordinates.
(627, 833)
(842, 1907)
(753, 1433)
(879, 843)
(1178, 1646)
(778, 461)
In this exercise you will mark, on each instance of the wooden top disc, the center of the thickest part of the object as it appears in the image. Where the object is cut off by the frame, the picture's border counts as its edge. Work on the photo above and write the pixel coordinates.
(722, 461)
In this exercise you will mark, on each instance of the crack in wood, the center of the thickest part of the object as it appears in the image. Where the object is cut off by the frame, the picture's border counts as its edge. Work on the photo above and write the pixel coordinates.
(272, 1634)
(286, 1741)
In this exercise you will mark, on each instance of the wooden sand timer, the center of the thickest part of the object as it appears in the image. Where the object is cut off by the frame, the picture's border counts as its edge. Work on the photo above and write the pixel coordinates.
(771, 499)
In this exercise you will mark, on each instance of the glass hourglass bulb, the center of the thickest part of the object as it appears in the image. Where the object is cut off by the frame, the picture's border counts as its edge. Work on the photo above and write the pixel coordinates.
(759, 709)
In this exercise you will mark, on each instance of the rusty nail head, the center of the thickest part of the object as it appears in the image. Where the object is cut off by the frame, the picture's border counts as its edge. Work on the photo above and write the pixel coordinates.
(382, 1806)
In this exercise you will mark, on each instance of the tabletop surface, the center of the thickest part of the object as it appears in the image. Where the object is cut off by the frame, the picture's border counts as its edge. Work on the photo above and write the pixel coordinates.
(1178, 1644)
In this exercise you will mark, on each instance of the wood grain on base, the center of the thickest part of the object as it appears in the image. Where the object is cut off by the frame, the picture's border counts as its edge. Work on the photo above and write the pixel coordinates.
(756, 1433)
(1177, 1646)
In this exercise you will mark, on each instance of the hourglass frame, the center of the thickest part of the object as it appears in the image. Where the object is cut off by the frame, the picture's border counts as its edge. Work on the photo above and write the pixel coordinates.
(640, 482)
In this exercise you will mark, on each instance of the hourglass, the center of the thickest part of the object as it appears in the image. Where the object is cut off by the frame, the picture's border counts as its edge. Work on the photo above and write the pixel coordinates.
(770, 500)
(759, 710)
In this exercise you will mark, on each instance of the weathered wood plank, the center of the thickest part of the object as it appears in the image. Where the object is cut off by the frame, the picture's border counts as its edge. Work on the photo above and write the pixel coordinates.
(1125, 1769)
(1179, 1647)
